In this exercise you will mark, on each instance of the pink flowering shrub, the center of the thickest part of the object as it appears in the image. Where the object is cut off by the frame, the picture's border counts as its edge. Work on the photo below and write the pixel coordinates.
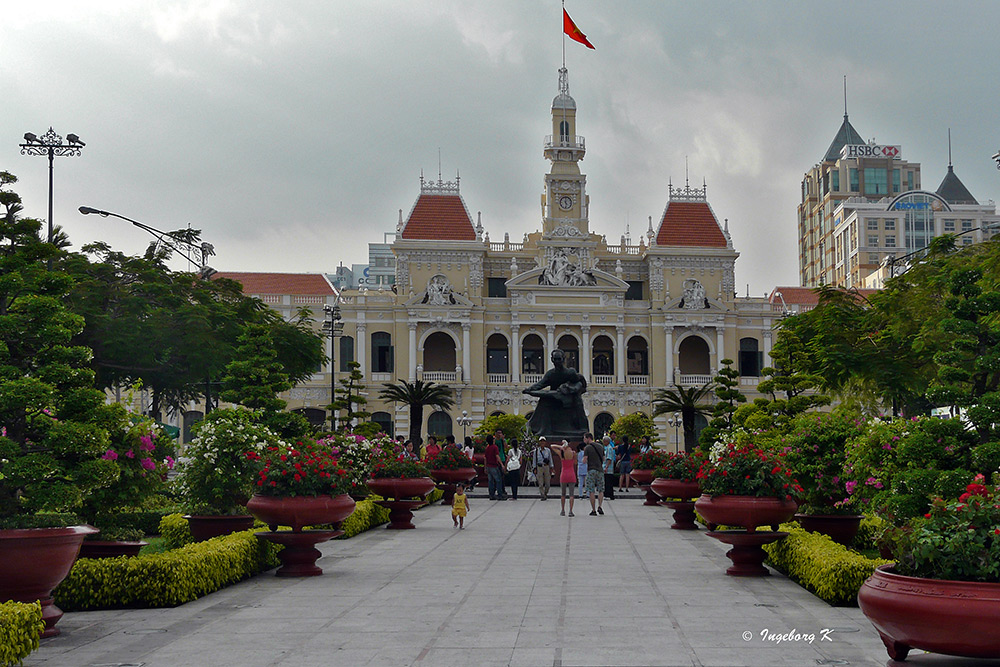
(815, 453)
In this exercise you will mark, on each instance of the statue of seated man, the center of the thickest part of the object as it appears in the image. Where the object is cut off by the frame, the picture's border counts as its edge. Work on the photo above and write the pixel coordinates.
(559, 413)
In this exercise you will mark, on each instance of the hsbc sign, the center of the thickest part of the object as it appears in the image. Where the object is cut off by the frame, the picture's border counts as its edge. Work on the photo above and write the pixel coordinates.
(870, 150)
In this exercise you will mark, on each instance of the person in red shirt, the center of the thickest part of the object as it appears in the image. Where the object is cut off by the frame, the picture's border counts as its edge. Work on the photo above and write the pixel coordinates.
(494, 471)
(433, 449)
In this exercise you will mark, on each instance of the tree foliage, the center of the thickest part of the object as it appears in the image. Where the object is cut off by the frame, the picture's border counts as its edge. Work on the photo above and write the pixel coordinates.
(417, 395)
(688, 402)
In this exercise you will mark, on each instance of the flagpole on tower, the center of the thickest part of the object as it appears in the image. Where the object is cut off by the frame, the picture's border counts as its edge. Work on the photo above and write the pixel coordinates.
(563, 35)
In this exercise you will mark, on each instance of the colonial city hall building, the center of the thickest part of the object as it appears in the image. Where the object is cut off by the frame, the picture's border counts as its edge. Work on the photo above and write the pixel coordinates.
(482, 316)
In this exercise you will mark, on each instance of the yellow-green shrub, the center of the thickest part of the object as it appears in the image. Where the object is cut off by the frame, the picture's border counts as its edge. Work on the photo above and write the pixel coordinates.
(165, 579)
(366, 516)
(868, 533)
(829, 570)
(175, 532)
(20, 626)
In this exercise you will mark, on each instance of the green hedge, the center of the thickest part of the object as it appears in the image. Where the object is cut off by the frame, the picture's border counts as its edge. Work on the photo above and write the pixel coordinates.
(829, 570)
(165, 579)
(366, 516)
(20, 626)
(175, 532)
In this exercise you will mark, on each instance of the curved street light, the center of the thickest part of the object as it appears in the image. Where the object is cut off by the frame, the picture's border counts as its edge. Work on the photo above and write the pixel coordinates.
(334, 328)
(464, 420)
(205, 250)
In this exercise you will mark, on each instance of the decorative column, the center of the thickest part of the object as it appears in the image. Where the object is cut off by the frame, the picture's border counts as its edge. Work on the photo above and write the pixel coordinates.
(466, 351)
(767, 349)
(362, 350)
(550, 342)
(720, 346)
(412, 353)
(620, 354)
(669, 330)
(515, 355)
(586, 362)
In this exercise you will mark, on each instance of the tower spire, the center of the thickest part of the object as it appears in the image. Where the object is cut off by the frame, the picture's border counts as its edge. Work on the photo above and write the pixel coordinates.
(845, 97)
(949, 147)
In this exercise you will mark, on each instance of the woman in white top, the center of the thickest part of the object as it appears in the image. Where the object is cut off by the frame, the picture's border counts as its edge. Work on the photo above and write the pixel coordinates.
(468, 449)
(514, 455)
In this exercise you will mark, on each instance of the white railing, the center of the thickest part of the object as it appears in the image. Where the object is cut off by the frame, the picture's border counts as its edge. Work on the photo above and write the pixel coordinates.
(506, 246)
(748, 381)
(439, 376)
(638, 380)
(626, 249)
(602, 379)
(695, 380)
(531, 378)
(498, 378)
(381, 377)
(308, 299)
(565, 141)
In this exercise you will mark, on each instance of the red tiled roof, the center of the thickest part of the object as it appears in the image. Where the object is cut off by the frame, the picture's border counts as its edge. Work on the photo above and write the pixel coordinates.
(439, 218)
(280, 283)
(690, 224)
(804, 296)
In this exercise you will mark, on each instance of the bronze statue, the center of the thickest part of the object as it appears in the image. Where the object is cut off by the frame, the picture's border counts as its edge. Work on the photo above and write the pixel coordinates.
(559, 413)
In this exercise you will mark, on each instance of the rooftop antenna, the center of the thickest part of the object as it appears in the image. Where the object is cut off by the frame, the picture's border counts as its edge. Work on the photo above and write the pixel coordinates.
(686, 183)
(439, 164)
(949, 147)
(845, 96)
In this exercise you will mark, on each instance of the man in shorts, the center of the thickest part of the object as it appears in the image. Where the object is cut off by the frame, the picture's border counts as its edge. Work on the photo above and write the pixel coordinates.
(594, 484)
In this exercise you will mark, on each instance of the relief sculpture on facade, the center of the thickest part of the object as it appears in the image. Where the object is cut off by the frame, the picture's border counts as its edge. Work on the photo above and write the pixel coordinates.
(561, 271)
(694, 295)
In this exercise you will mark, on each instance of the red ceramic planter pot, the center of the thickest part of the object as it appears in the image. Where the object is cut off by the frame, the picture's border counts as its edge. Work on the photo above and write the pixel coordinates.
(206, 526)
(675, 488)
(33, 562)
(391, 487)
(746, 511)
(841, 528)
(300, 511)
(644, 478)
(936, 615)
(447, 479)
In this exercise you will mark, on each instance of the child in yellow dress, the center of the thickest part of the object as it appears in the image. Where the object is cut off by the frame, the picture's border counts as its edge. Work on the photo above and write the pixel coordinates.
(459, 507)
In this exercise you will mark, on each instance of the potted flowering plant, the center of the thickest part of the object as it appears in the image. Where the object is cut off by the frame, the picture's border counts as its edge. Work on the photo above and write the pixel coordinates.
(448, 467)
(746, 486)
(643, 466)
(943, 593)
(815, 453)
(299, 485)
(143, 453)
(217, 477)
(399, 478)
(676, 478)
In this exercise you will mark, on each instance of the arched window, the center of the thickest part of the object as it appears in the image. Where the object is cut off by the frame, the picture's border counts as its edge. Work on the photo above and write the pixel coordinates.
(603, 356)
(563, 132)
(384, 420)
(439, 352)
(381, 352)
(497, 359)
(439, 424)
(571, 349)
(497, 413)
(602, 423)
(532, 354)
(751, 360)
(346, 353)
(637, 356)
(694, 356)
(314, 416)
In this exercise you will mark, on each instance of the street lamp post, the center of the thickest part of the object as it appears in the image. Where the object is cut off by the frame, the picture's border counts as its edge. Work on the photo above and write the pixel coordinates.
(464, 420)
(333, 328)
(51, 144)
(169, 239)
(675, 421)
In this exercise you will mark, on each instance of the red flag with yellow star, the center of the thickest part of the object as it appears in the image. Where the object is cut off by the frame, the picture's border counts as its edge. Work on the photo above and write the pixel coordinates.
(574, 33)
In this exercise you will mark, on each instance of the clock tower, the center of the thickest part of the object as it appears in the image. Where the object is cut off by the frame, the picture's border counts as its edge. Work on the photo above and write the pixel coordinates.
(565, 203)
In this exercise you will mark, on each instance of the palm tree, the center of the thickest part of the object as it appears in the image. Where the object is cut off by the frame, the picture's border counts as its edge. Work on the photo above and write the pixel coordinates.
(688, 403)
(416, 395)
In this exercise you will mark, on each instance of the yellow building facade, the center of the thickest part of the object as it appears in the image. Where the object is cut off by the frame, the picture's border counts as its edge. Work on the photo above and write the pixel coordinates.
(483, 316)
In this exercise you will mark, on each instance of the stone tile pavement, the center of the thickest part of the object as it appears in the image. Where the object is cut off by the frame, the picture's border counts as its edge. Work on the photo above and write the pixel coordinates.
(521, 586)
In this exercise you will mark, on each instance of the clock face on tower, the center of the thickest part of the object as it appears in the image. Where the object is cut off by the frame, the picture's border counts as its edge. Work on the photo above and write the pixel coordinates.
(565, 202)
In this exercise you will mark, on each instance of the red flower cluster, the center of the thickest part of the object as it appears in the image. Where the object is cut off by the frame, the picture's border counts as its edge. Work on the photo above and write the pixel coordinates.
(747, 471)
(308, 469)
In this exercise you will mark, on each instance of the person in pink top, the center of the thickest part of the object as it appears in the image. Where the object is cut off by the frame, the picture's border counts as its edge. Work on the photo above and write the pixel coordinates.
(567, 474)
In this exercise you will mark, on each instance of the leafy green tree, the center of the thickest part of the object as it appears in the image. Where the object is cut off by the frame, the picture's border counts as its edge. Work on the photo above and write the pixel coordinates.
(349, 400)
(52, 443)
(417, 395)
(729, 397)
(255, 378)
(635, 426)
(513, 426)
(792, 388)
(689, 402)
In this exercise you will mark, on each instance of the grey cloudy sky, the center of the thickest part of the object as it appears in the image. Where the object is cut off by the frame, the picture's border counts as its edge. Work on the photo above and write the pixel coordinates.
(292, 132)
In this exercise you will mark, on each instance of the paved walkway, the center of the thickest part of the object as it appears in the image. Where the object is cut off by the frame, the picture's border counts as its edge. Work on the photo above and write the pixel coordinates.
(520, 586)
